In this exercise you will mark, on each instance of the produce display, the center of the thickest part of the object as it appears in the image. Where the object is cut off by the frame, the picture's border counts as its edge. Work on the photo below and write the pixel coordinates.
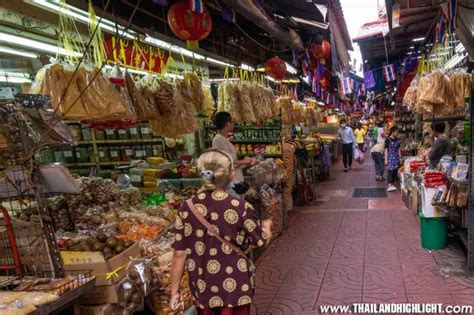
(23, 302)
(161, 254)
(289, 162)
(247, 102)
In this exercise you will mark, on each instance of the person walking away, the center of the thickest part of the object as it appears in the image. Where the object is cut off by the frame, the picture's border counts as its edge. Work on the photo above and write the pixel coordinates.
(392, 157)
(377, 154)
(441, 145)
(375, 133)
(225, 126)
(359, 135)
(210, 232)
(346, 137)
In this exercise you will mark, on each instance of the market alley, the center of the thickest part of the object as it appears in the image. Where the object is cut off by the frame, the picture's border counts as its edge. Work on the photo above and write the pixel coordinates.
(350, 250)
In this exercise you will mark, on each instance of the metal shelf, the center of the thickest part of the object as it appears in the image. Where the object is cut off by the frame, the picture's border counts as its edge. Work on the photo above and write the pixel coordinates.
(446, 118)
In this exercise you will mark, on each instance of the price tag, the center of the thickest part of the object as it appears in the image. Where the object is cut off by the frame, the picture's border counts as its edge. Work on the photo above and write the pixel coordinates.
(101, 154)
(129, 152)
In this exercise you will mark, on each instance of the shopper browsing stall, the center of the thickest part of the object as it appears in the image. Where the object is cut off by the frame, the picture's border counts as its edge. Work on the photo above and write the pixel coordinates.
(392, 157)
(220, 273)
(377, 154)
(346, 137)
(441, 145)
(225, 126)
(379, 133)
(360, 133)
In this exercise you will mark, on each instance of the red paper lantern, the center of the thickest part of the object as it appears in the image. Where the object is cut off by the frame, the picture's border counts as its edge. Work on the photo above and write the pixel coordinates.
(276, 68)
(321, 51)
(188, 25)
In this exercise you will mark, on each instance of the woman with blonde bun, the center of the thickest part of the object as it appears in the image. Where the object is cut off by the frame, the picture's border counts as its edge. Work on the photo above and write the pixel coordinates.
(213, 232)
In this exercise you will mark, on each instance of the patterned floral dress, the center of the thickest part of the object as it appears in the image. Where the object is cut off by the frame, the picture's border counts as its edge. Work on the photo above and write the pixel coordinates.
(219, 277)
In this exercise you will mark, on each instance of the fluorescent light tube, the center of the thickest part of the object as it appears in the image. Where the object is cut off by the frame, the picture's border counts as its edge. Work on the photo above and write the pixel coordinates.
(419, 39)
(12, 79)
(33, 44)
(270, 78)
(290, 68)
(11, 51)
(223, 79)
(218, 62)
(247, 67)
(82, 16)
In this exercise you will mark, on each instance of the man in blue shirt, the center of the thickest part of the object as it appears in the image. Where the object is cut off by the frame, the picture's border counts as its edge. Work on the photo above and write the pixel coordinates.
(346, 137)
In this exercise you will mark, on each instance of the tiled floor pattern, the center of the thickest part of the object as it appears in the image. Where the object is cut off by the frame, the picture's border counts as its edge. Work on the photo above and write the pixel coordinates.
(347, 250)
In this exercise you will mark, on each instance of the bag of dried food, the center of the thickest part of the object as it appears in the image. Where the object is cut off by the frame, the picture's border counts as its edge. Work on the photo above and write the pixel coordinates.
(461, 83)
(90, 96)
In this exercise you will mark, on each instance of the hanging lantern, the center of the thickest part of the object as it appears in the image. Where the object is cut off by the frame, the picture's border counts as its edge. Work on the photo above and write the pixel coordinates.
(276, 68)
(188, 25)
(321, 51)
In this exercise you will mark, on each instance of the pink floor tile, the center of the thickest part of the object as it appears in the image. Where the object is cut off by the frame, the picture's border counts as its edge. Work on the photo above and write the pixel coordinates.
(338, 253)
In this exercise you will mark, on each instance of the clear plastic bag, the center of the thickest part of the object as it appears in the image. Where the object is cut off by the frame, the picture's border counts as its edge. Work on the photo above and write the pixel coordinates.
(130, 298)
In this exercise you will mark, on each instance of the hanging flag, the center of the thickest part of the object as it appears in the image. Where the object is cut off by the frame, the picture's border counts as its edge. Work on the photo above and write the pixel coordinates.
(346, 86)
(369, 79)
(305, 62)
(453, 15)
(196, 6)
(161, 2)
(389, 73)
(362, 89)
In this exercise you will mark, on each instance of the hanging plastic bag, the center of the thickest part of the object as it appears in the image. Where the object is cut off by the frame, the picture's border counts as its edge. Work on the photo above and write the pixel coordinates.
(359, 156)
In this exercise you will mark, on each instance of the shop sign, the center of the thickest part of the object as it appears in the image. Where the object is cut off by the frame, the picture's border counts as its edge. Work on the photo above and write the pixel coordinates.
(135, 54)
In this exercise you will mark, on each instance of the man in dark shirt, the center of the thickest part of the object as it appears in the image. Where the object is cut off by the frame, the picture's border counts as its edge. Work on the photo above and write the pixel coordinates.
(441, 145)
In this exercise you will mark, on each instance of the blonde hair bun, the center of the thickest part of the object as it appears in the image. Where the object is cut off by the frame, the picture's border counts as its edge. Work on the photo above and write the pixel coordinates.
(216, 168)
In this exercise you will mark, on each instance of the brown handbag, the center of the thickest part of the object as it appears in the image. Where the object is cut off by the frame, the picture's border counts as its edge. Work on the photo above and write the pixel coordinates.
(213, 232)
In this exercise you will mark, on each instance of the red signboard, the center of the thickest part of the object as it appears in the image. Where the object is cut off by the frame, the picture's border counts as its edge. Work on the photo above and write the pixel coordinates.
(135, 54)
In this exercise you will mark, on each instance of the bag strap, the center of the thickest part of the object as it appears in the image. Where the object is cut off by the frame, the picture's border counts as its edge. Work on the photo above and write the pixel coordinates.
(213, 231)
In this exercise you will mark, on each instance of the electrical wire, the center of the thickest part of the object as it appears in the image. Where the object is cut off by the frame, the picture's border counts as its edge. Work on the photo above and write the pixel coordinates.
(256, 42)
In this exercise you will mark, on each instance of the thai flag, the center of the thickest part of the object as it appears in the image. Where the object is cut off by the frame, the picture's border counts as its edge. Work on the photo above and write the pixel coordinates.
(306, 61)
(346, 86)
(328, 99)
(453, 15)
(196, 6)
(389, 73)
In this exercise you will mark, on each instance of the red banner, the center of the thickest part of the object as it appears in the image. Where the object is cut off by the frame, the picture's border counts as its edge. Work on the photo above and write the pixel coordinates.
(135, 54)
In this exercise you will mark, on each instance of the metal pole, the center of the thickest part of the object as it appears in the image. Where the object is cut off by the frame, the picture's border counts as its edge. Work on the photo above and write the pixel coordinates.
(386, 52)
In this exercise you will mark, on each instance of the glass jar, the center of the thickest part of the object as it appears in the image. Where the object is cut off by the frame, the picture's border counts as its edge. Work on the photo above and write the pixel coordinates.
(134, 133)
(76, 132)
(111, 134)
(122, 134)
(126, 153)
(104, 154)
(82, 155)
(99, 134)
(157, 150)
(86, 133)
(138, 154)
(145, 130)
(69, 155)
(59, 156)
(115, 154)
(148, 151)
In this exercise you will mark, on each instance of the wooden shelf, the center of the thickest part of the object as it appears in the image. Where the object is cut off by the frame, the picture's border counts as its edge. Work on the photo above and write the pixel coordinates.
(249, 127)
(122, 141)
(89, 164)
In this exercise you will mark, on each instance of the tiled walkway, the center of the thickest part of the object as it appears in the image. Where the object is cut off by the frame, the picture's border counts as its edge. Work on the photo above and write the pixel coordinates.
(349, 250)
